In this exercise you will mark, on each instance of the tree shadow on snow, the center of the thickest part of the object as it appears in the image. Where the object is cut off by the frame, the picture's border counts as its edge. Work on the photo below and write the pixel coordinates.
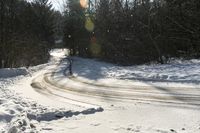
(50, 116)
(98, 73)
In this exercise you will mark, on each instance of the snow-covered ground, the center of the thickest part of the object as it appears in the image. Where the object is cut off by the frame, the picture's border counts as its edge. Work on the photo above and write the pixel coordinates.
(100, 97)
(6, 73)
(176, 71)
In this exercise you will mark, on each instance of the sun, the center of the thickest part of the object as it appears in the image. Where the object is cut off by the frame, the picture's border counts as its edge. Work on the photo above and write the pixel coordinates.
(84, 3)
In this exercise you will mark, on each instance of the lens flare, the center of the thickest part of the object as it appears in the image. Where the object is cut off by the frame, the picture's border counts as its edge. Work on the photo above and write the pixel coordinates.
(89, 25)
(84, 3)
(95, 48)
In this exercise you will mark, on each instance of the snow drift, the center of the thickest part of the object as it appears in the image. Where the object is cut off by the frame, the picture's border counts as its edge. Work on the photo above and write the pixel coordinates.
(187, 71)
(12, 72)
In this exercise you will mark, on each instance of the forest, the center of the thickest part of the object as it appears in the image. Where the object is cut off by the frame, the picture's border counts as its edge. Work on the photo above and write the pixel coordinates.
(26, 32)
(124, 32)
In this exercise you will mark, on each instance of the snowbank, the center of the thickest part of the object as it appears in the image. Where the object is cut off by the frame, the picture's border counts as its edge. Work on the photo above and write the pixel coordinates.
(176, 71)
(20, 114)
(12, 72)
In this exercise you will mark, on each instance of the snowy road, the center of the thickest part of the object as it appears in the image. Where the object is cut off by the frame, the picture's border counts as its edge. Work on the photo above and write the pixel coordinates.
(121, 101)
(56, 82)
(92, 104)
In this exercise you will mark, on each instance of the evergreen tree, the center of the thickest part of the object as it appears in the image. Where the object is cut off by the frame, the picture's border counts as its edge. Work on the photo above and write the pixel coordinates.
(75, 34)
(134, 32)
(26, 32)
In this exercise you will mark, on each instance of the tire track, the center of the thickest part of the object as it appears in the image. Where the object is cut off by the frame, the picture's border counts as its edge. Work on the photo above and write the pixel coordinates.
(172, 95)
(141, 96)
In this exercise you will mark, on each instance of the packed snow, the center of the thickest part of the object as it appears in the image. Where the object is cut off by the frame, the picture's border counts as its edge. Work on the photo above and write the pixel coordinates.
(19, 113)
(100, 97)
(176, 71)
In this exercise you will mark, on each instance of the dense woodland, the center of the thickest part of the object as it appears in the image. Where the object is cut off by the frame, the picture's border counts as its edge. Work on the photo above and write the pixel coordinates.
(26, 32)
(125, 32)
(133, 31)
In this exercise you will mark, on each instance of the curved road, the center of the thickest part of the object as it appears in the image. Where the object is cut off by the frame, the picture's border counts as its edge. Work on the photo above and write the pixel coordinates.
(81, 93)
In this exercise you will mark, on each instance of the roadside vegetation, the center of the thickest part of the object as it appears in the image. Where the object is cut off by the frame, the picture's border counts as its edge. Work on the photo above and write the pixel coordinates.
(133, 31)
(124, 32)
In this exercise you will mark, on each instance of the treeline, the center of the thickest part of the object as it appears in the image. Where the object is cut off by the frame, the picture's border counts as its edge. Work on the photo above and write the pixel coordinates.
(133, 31)
(120, 31)
(26, 32)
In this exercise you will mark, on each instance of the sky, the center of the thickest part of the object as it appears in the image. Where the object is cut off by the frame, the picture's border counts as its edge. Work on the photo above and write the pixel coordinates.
(57, 4)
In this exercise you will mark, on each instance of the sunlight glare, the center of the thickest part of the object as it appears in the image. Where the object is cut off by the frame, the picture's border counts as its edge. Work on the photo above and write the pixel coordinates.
(89, 25)
(84, 3)
(95, 48)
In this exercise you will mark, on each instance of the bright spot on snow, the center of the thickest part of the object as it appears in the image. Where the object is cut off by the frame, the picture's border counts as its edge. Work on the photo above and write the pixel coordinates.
(59, 52)
(84, 3)
(89, 25)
